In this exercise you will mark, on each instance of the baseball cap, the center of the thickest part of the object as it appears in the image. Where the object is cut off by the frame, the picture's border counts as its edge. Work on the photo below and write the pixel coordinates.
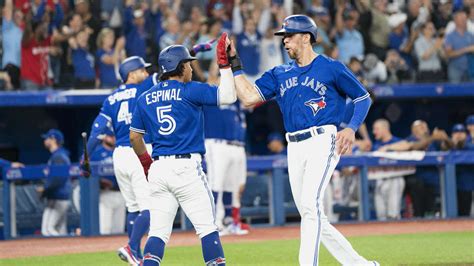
(470, 120)
(218, 6)
(397, 19)
(274, 136)
(54, 133)
(458, 128)
(138, 13)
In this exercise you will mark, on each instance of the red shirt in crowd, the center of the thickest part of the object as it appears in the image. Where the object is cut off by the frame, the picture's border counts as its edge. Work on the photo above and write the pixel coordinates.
(34, 61)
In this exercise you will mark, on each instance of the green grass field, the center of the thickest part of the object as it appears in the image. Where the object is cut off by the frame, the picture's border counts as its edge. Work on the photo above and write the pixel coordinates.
(407, 249)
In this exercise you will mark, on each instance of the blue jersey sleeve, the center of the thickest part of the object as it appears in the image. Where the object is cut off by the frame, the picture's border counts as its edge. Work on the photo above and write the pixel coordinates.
(137, 124)
(202, 93)
(347, 83)
(267, 85)
(149, 82)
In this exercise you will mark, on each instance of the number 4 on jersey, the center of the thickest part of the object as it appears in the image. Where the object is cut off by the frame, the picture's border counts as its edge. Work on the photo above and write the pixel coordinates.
(124, 114)
(164, 118)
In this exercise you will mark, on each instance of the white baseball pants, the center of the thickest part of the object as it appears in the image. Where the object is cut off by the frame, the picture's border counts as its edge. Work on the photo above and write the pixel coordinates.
(112, 212)
(54, 220)
(131, 178)
(310, 165)
(388, 197)
(174, 182)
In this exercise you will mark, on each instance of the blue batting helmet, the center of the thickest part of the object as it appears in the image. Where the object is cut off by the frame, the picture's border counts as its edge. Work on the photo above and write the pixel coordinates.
(130, 64)
(299, 24)
(171, 56)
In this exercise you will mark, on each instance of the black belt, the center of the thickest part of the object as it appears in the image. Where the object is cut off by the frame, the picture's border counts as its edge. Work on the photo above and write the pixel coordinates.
(304, 136)
(177, 156)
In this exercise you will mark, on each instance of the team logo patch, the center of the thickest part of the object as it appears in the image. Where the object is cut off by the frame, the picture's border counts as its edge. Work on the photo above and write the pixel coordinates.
(316, 104)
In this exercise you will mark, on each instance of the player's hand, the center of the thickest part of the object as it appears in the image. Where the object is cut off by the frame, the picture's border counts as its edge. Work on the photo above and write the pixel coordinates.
(221, 51)
(202, 47)
(85, 168)
(146, 162)
(344, 140)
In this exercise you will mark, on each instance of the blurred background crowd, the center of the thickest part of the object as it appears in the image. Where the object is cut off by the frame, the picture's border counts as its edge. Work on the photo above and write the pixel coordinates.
(79, 43)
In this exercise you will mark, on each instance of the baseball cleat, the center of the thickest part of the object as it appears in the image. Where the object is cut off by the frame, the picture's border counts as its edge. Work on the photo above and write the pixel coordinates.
(233, 229)
(128, 255)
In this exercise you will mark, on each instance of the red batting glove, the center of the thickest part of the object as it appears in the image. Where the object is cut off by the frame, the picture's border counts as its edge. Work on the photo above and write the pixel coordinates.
(221, 52)
(146, 162)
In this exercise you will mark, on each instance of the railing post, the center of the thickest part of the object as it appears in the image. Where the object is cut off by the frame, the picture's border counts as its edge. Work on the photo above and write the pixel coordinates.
(277, 197)
(6, 208)
(89, 206)
(448, 191)
(364, 212)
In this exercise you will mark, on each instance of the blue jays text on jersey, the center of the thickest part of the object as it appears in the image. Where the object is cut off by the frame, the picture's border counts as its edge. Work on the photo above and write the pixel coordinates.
(316, 92)
(224, 122)
(116, 112)
(171, 113)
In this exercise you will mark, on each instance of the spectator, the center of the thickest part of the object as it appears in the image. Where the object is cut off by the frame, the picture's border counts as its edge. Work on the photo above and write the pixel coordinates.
(400, 39)
(379, 29)
(108, 57)
(176, 33)
(270, 50)
(82, 7)
(5, 81)
(135, 32)
(470, 130)
(348, 39)
(428, 50)
(321, 16)
(221, 10)
(418, 13)
(111, 13)
(388, 191)
(210, 31)
(442, 18)
(12, 33)
(397, 68)
(470, 22)
(57, 190)
(35, 56)
(248, 40)
(459, 46)
(111, 203)
(45, 12)
(83, 61)
(374, 69)
(355, 65)
(275, 144)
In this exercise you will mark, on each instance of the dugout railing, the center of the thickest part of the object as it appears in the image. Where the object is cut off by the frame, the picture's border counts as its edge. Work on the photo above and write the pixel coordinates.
(277, 165)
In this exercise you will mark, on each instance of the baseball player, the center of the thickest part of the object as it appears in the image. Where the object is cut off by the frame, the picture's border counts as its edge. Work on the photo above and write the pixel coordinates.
(111, 203)
(225, 159)
(57, 190)
(388, 191)
(171, 113)
(470, 131)
(116, 112)
(311, 91)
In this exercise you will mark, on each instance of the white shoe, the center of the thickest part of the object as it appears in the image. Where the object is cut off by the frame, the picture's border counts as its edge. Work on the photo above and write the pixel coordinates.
(233, 229)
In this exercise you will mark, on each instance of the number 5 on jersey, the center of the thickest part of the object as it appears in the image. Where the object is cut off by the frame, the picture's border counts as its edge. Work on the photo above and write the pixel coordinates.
(124, 114)
(168, 124)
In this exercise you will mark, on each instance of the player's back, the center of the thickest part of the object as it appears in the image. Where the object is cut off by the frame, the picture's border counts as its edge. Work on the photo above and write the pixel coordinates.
(119, 107)
(221, 122)
(171, 112)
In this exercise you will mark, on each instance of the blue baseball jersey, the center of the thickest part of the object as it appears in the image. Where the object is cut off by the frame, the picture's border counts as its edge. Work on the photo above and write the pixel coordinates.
(119, 106)
(104, 156)
(312, 95)
(83, 63)
(106, 71)
(56, 187)
(378, 143)
(429, 174)
(224, 122)
(171, 113)
(249, 50)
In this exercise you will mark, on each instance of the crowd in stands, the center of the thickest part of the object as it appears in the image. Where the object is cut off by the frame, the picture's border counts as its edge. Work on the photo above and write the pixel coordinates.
(79, 43)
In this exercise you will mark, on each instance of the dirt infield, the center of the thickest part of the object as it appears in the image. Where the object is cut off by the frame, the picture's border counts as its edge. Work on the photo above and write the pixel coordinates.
(70, 245)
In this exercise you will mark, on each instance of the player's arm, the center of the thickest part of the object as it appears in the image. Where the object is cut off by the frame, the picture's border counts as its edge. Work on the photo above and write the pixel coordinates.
(98, 128)
(246, 91)
(137, 130)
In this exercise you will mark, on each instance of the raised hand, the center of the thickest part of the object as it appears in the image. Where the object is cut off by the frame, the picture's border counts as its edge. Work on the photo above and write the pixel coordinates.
(221, 52)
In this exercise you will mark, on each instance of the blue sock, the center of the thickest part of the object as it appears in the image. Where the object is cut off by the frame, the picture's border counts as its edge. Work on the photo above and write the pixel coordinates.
(216, 196)
(140, 227)
(154, 251)
(227, 201)
(212, 249)
(131, 216)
